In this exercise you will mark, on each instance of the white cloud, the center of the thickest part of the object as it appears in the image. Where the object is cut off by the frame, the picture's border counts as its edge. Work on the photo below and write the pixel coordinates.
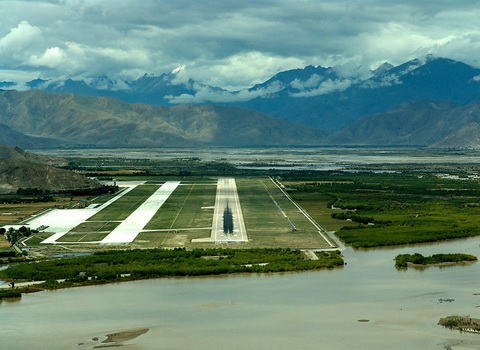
(326, 87)
(383, 81)
(312, 82)
(20, 37)
(233, 44)
(52, 58)
(242, 70)
(206, 94)
(16, 44)
(182, 75)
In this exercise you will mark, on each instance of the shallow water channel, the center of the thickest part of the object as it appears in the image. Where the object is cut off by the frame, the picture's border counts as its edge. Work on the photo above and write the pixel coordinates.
(368, 304)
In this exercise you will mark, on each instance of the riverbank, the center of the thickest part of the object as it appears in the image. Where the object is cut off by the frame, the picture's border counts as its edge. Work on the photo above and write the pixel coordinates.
(130, 265)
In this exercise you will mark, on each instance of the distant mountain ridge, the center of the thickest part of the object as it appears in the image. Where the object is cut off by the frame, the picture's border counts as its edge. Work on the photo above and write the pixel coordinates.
(419, 123)
(342, 102)
(315, 96)
(110, 122)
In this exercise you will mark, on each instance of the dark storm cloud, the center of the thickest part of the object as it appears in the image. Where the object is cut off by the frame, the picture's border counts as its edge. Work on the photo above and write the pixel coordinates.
(227, 43)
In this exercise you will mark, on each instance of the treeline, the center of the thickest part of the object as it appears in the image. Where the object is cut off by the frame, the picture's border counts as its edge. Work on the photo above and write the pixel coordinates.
(380, 236)
(8, 254)
(353, 217)
(405, 207)
(37, 193)
(112, 266)
(9, 293)
(405, 182)
(24, 196)
(105, 189)
(403, 260)
(13, 236)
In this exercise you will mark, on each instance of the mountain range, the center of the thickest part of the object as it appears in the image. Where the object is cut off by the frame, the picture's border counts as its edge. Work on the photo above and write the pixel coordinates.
(337, 102)
(442, 124)
(388, 106)
(71, 119)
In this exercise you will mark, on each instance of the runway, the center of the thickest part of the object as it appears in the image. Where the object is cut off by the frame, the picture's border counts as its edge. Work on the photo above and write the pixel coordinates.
(133, 225)
(61, 221)
(227, 195)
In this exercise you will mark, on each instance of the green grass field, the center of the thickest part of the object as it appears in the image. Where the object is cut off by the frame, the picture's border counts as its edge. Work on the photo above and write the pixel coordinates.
(188, 214)
(266, 225)
(90, 231)
(123, 207)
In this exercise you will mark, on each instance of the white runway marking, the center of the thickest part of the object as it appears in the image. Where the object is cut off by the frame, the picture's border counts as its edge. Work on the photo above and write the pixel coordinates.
(227, 193)
(131, 226)
(61, 221)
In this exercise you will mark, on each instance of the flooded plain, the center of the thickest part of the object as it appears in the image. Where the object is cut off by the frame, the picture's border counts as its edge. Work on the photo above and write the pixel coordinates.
(368, 304)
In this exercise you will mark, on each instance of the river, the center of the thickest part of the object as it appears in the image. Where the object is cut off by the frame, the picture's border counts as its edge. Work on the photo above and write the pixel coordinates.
(368, 304)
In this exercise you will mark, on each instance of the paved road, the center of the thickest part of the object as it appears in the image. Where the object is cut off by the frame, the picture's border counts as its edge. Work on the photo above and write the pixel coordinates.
(227, 193)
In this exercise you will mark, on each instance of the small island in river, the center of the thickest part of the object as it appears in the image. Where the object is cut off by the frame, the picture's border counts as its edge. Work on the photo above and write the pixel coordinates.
(405, 260)
(461, 323)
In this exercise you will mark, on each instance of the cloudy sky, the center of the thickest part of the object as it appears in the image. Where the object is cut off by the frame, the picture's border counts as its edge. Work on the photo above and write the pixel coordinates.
(229, 43)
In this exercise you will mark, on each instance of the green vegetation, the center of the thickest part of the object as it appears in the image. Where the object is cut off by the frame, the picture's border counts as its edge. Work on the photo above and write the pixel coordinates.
(392, 208)
(9, 293)
(13, 236)
(124, 206)
(183, 209)
(353, 217)
(461, 323)
(109, 266)
(262, 205)
(403, 260)
(8, 254)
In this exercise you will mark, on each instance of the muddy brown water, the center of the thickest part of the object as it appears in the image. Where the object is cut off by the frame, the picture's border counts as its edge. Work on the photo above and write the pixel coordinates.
(313, 310)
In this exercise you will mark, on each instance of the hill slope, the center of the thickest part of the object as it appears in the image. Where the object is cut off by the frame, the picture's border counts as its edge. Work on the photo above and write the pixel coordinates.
(12, 137)
(18, 154)
(23, 169)
(22, 174)
(466, 137)
(418, 123)
(111, 122)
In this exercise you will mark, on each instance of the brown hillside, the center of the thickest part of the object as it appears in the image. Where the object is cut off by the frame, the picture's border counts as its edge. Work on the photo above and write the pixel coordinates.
(107, 121)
